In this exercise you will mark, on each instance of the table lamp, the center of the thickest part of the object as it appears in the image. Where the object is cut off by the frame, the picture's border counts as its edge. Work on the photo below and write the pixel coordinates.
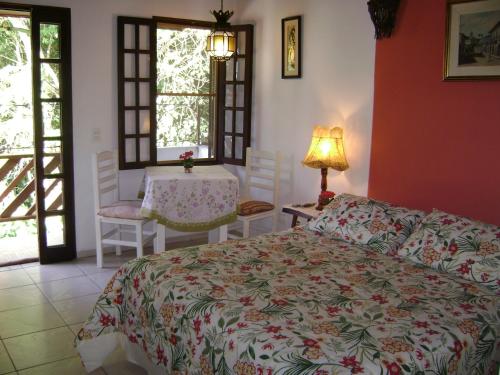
(326, 151)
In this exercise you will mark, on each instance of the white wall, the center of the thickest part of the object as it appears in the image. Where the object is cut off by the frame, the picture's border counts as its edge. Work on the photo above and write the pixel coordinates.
(336, 88)
(95, 86)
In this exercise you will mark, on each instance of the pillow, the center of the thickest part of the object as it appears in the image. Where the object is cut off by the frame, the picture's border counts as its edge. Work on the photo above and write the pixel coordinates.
(123, 210)
(363, 221)
(254, 207)
(458, 245)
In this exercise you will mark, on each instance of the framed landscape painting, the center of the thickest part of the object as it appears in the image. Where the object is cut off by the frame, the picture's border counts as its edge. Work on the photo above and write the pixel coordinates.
(291, 47)
(473, 40)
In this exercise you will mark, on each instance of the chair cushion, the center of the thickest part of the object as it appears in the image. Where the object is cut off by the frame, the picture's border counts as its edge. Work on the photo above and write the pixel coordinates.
(123, 210)
(458, 245)
(254, 207)
(363, 221)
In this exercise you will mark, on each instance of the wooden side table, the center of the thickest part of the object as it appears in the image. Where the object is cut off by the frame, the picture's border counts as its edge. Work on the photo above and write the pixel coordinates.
(297, 211)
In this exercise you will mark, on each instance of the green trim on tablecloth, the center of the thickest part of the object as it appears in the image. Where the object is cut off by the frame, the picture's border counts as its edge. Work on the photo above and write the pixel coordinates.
(189, 227)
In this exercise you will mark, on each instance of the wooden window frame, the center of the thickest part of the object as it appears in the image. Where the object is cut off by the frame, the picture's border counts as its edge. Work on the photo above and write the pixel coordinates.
(219, 127)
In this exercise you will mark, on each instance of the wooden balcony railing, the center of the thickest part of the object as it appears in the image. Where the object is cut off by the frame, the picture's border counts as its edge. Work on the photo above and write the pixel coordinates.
(20, 170)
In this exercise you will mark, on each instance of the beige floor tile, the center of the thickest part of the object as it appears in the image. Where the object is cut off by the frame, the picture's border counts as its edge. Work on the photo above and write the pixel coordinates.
(76, 310)
(75, 328)
(28, 319)
(6, 365)
(14, 298)
(101, 279)
(68, 288)
(68, 366)
(41, 347)
(11, 279)
(52, 272)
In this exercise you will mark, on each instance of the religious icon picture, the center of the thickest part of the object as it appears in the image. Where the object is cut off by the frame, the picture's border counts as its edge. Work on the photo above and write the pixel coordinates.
(291, 48)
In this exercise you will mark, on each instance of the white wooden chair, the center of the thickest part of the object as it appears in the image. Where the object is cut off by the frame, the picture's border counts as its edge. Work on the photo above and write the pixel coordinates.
(262, 173)
(123, 215)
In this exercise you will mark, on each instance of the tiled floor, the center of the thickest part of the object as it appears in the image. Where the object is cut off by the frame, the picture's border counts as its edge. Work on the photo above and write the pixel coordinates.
(41, 310)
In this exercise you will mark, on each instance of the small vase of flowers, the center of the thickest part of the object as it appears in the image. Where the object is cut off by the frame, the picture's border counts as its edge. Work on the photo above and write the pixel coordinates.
(187, 161)
(324, 198)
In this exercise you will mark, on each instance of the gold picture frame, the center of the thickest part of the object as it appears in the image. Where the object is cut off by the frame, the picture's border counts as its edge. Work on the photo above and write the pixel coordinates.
(472, 40)
(291, 47)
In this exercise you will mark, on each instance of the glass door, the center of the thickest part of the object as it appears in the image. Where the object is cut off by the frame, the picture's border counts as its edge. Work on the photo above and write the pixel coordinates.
(52, 110)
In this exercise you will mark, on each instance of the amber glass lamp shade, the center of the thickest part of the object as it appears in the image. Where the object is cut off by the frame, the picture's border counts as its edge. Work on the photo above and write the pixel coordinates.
(221, 45)
(326, 151)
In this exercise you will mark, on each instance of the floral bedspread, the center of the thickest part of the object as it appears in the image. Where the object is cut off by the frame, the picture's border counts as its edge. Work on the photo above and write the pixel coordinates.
(298, 303)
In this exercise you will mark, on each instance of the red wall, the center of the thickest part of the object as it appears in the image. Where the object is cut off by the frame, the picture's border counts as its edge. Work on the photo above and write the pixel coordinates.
(435, 144)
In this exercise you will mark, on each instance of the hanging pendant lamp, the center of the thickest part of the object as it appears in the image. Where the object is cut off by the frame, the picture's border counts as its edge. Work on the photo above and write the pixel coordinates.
(221, 43)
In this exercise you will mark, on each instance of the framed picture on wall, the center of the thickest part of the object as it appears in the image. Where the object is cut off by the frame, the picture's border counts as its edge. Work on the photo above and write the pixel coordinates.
(291, 47)
(472, 40)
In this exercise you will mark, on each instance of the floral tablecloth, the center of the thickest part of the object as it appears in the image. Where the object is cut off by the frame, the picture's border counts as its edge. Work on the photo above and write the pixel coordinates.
(190, 202)
(293, 303)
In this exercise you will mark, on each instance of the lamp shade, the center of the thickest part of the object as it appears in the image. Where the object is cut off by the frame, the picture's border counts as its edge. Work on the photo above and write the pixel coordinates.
(221, 45)
(326, 150)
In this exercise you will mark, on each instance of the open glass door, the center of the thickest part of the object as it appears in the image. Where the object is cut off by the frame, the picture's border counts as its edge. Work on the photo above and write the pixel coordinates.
(52, 110)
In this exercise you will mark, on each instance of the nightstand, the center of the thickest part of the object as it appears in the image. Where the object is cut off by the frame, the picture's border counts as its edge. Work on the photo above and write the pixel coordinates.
(297, 211)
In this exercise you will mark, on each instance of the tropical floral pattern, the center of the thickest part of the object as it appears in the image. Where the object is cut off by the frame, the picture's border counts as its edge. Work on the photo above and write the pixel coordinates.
(363, 221)
(296, 303)
(455, 244)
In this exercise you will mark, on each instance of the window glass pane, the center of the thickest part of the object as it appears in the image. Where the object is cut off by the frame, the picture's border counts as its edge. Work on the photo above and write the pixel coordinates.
(129, 65)
(49, 41)
(184, 123)
(52, 164)
(130, 122)
(238, 141)
(230, 70)
(144, 37)
(229, 95)
(144, 149)
(51, 113)
(53, 194)
(144, 65)
(240, 70)
(130, 156)
(228, 146)
(240, 95)
(129, 34)
(144, 94)
(229, 121)
(130, 94)
(144, 122)
(239, 121)
(55, 230)
(241, 48)
(50, 77)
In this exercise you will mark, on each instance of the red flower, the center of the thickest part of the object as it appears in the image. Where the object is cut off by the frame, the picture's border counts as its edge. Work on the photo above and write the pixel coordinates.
(160, 353)
(268, 347)
(280, 302)
(333, 310)
(242, 325)
(349, 361)
(311, 343)
(453, 248)
(118, 299)
(231, 345)
(457, 348)
(176, 260)
(421, 324)
(398, 227)
(464, 269)
(342, 222)
(136, 282)
(132, 338)
(191, 278)
(173, 340)
(197, 325)
(380, 299)
(273, 329)
(207, 318)
(393, 368)
(107, 320)
(485, 277)
(246, 301)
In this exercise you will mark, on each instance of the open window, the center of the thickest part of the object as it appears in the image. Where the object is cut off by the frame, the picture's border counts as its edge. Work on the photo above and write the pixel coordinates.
(173, 98)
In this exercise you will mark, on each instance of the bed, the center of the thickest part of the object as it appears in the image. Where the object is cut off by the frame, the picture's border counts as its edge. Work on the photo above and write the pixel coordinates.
(304, 301)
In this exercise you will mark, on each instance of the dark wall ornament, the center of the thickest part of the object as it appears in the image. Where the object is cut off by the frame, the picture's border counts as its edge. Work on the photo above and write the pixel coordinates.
(383, 14)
